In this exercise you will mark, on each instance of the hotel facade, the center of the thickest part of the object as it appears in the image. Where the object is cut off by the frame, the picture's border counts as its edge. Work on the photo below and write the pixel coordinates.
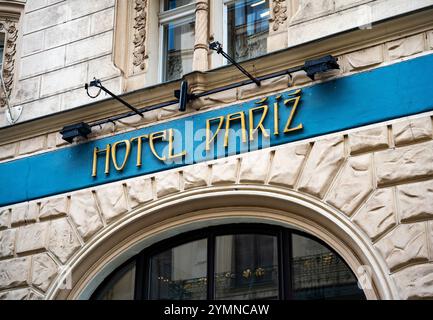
(306, 173)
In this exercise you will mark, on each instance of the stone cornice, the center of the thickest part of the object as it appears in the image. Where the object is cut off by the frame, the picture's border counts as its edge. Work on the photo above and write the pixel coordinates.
(11, 8)
(200, 81)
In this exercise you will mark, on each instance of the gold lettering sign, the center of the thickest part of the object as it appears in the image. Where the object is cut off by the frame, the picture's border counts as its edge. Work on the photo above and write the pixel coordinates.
(114, 154)
(260, 112)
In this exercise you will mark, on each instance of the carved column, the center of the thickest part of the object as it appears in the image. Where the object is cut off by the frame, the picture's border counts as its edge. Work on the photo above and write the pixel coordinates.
(280, 11)
(200, 59)
(10, 12)
(140, 20)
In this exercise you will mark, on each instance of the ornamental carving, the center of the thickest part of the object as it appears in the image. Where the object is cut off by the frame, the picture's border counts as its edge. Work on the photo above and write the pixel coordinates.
(140, 35)
(11, 34)
(278, 15)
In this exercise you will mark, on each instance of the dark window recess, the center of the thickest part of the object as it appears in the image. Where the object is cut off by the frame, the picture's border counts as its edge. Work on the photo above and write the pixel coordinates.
(239, 262)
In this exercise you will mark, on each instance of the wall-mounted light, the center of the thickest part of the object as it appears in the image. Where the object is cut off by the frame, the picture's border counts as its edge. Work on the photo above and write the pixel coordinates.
(183, 95)
(74, 131)
(97, 83)
(216, 46)
(323, 64)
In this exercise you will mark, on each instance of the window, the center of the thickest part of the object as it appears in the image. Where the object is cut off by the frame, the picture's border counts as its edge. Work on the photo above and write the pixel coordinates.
(241, 261)
(2, 48)
(177, 29)
(247, 28)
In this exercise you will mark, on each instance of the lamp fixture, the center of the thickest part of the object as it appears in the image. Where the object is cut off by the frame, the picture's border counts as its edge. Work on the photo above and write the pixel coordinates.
(97, 83)
(216, 46)
(75, 130)
(311, 67)
(323, 64)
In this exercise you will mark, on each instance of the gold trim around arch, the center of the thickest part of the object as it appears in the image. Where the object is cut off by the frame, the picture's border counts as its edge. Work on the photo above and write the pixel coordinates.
(196, 209)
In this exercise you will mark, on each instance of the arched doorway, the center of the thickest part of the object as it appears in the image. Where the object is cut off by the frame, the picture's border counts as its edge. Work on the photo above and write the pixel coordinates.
(215, 206)
(234, 262)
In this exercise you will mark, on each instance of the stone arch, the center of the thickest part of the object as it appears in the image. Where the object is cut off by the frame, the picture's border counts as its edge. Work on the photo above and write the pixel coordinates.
(200, 207)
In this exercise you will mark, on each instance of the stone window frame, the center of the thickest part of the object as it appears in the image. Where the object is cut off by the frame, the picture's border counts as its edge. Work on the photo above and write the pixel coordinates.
(181, 13)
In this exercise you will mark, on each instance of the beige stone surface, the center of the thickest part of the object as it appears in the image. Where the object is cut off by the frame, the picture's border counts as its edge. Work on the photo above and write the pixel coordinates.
(89, 48)
(353, 185)
(7, 243)
(309, 9)
(405, 47)
(224, 171)
(166, 183)
(403, 245)
(42, 62)
(196, 176)
(32, 237)
(53, 207)
(412, 130)
(72, 77)
(102, 21)
(20, 294)
(415, 282)
(5, 216)
(370, 139)
(34, 296)
(378, 214)
(14, 272)
(32, 145)
(44, 270)
(84, 213)
(254, 166)
(8, 151)
(139, 191)
(411, 162)
(266, 86)
(67, 32)
(322, 165)
(112, 201)
(415, 201)
(287, 164)
(62, 241)
(224, 97)
(24, 213)
(365, 58)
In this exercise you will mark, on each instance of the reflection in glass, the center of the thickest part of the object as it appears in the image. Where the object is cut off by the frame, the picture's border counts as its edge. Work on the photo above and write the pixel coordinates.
(120, 287)
(247, 28)
(172, 4)
(180, 273)
(178, 48)
(319, 273)
(246, 267)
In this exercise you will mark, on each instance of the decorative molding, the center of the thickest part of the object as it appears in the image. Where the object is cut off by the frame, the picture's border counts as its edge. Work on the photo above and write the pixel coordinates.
(337, 45)
(278, 13)
(139, 52)
(9, 27)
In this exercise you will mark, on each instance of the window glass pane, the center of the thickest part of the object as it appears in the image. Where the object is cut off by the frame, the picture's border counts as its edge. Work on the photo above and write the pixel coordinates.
(121, 285)
(180, 273)
(246, 267)
(178, 47)
(2, 46)
(172, 4)
(319, 273)
(247, 28)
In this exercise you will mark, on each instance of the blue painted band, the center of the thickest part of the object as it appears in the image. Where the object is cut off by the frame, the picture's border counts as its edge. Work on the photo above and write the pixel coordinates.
(382, 94)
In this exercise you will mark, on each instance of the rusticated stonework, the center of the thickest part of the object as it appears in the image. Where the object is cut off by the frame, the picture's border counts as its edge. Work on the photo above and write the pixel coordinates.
(279, 13)
(9, 27)
(391, 209)
(140, 35)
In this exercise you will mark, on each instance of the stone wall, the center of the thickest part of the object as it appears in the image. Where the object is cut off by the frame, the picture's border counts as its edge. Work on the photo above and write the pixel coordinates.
(379, 178)
(368, 58)
(63, 45)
